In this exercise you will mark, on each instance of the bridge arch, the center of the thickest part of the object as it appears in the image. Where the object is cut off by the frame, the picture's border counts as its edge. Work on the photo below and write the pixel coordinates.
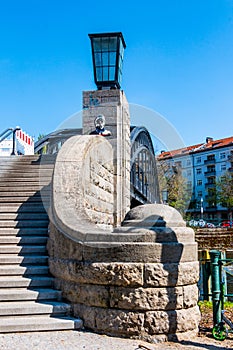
(143, 171)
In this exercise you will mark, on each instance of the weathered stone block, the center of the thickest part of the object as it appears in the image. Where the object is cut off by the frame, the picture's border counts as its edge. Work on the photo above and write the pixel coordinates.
(90, 295)
(171, 274)
(158, 322)
(146, 298)
(188, 319)
(117, 274)
(190, 295)
(115, 322)
(87, 314)
(60, 246)
(97, 273)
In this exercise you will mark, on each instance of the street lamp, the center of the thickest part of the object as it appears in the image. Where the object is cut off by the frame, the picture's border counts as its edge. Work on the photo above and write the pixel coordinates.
(165, 196)
(107, 56)
(202, 209)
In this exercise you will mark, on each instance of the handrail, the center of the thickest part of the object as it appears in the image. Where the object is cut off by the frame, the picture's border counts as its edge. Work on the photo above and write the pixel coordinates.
(7, 133)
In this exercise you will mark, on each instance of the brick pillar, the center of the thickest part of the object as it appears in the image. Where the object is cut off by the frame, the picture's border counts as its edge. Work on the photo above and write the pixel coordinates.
(114, 106)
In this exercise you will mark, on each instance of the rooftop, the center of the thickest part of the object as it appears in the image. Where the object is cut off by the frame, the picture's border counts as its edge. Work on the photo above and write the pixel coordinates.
(210, 144)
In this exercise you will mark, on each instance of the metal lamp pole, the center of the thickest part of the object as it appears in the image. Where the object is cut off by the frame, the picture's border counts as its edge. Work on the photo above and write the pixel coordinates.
(202, 209)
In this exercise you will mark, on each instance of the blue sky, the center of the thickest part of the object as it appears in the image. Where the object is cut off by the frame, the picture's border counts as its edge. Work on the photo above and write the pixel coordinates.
(178, 61)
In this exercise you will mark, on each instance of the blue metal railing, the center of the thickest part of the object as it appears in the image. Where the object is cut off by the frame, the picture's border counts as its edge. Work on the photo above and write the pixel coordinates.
(6, 133)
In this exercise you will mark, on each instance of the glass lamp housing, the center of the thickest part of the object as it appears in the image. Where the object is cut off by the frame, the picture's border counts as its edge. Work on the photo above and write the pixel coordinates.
(107, 56)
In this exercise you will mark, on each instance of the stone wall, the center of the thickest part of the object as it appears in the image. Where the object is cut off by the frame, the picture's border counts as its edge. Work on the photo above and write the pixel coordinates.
(83, 186)
(138, 281)
(214, 238)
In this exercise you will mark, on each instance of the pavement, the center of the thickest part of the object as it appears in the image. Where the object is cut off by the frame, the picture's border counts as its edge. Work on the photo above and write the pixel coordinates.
(80, 340)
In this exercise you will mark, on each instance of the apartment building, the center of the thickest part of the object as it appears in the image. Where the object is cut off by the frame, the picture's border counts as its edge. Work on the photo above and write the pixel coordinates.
(201, 165)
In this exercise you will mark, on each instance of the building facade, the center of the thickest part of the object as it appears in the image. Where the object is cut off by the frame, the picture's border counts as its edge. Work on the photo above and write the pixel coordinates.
(201, 166)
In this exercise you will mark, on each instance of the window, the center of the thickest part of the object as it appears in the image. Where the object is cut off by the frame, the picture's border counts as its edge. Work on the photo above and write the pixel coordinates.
(211, 169)
(178, 164)
(199, 193)
(105, 56)
(189, 172)
(223, 167)
(189, 184)
(188, 163)
(222, 155)
(211, 157)
(199, 182)
(211, 180)
(199, 171)
(198, 160)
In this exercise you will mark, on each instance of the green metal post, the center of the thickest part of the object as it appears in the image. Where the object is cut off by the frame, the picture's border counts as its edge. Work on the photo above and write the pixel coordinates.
(205, 269)
(216, 291)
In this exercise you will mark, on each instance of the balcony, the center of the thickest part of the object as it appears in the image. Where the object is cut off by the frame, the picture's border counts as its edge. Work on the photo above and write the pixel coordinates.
(210, 185)
(211, 208)
(210, 161)
(210, 172)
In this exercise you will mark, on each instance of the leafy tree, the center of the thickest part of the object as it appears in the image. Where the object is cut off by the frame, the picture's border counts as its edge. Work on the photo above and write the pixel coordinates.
(224, 192)
(178, 193)
(171, 180)
(40, 136)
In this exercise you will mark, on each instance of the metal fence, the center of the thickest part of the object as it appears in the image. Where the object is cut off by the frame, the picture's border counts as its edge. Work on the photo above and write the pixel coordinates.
(216, 279)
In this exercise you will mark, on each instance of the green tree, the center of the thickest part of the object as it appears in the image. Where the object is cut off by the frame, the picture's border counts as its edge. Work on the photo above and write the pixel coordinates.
(178, 192)
(224, 192)
(40, 136)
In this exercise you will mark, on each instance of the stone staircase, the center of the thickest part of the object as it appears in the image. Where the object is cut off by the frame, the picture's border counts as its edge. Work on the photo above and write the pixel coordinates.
(28, 301)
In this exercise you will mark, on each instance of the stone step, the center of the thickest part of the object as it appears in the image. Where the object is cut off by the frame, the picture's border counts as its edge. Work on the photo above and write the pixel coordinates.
(23, 223)
(30, 177)
(24, 249)
(22, 208)
(19, 281)
(26, 231)
(10, 259)
(12, 180)
(36, 198)
(20, 193)
(13, 270)
(23, 188)
(23, 216)
(23, 240)
(13, 294)
(30, 157)
(15, 308)
(22, 185)
(27, 166)
(18, 181)
(38, 323)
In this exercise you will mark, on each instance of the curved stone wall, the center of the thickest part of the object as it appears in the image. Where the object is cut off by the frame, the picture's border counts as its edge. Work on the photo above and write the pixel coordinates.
(83, 188)
(140, 280)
